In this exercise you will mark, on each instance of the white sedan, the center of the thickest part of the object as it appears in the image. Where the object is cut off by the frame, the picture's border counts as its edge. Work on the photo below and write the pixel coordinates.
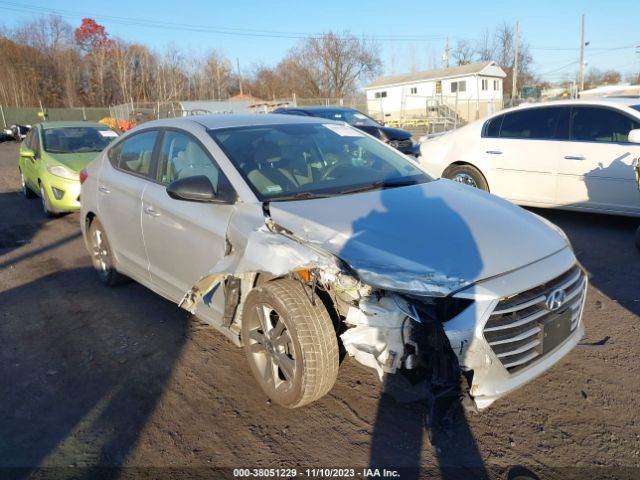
(570, 154)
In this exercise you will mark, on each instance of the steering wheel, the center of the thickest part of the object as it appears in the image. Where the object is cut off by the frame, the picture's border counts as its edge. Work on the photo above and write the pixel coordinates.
(337, 168)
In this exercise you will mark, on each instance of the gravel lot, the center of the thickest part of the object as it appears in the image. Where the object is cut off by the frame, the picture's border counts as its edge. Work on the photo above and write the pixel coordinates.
(121, 378)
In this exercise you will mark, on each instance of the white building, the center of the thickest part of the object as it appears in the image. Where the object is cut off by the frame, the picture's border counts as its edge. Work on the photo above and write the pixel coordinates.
(473, 91)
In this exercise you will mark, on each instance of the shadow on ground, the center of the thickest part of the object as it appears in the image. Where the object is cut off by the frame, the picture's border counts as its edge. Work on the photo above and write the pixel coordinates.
(78, 383)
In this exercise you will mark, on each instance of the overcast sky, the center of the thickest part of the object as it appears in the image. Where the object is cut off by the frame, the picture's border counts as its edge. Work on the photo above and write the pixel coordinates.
(410, 32)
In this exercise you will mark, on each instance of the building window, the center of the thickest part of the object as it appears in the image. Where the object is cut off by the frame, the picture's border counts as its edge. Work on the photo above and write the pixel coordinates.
(381, 94)
(485, 84)
(460, 86)
(496, 85)
(414, 90)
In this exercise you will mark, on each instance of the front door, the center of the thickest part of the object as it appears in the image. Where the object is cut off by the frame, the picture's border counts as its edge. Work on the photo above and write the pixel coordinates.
(184, 239)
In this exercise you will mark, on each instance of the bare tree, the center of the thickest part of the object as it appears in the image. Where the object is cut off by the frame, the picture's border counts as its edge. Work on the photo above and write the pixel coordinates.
(463, 53)
(332, 65)
(484, 49)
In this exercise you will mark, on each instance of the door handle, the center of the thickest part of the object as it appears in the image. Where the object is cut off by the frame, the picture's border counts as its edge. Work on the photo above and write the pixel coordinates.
(151, 211)
(102, 189)
(494, 152)
(574, 157)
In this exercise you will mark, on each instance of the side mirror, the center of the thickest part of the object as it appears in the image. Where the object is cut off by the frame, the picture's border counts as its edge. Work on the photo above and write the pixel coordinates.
(634, 135)
(28, 153)
(197, 189)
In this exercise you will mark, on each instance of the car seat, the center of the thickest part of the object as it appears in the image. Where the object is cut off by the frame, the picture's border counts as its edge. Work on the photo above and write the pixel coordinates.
(267, 176)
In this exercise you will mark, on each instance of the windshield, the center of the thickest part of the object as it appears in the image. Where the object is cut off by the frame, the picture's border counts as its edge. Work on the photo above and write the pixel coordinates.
(352, 117)
(635, 107)
(76, 139)
(288, 162)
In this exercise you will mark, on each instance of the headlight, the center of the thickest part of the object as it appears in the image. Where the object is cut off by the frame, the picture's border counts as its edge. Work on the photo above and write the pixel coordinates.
(394, 143)
(60, 171)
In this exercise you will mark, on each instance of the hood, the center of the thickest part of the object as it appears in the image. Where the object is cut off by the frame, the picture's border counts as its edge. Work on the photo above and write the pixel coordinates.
(385, 133)
(432, 238)
(74, 161)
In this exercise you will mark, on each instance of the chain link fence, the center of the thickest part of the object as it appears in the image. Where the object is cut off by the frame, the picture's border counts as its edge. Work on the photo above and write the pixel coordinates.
(29, 115)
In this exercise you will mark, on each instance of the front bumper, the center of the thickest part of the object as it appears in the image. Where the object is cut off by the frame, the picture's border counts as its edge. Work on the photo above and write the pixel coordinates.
(64, 195)
(493, 377)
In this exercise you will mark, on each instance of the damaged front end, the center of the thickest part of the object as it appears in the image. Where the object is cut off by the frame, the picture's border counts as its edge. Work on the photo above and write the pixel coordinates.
(378, 323)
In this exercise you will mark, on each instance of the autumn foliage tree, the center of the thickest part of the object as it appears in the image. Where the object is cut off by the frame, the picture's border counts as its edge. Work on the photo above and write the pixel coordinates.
(91, 35)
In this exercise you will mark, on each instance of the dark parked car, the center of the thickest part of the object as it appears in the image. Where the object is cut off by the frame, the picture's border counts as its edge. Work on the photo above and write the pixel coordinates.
(396, 137)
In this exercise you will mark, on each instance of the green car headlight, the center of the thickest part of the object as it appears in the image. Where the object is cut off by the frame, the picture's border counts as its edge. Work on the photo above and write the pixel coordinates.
(62, 172)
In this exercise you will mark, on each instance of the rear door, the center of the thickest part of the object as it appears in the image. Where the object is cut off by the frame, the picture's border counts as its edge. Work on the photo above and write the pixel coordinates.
(120, 185)
(522, 148)
(183, 239)
(595, 167)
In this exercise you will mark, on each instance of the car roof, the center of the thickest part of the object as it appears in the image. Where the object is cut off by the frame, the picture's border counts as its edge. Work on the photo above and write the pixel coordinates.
(213, 122)
(69, 123)
(336, 108)
(603, 101)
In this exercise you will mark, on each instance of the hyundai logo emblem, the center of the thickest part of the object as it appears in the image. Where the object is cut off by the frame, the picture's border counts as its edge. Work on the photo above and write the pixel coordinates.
(555, 299)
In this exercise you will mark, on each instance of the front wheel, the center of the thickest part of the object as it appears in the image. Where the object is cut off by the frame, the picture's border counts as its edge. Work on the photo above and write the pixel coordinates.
(468, 175)
(290, 343)
(26, 191)
(46, 203)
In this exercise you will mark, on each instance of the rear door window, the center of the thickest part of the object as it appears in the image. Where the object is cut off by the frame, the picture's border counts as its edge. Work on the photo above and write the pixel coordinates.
(533, 123)
(135, 153)
(593, 124)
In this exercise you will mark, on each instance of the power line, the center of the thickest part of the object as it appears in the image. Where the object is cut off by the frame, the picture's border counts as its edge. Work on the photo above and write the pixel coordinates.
(26, 8)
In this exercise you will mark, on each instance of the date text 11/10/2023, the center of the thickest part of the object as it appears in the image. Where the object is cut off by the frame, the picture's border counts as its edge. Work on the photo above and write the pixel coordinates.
(241, 473)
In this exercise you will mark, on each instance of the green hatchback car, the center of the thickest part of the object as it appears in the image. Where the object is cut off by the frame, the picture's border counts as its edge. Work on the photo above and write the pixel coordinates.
(51, 158)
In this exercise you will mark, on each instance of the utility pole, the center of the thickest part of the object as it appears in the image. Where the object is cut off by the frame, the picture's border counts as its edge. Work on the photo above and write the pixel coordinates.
(239, 75)
(514, 73)
(582, 45)
(445, 57)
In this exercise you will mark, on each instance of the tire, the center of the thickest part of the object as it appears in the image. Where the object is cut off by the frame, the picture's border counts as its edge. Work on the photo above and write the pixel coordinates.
(467, 175)
(26, 191)
(46, 203)
(102, 256)
(638, 238)
(296, 363)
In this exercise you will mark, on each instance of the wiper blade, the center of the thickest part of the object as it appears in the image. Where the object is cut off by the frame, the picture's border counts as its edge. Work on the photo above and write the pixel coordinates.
(299, 196)
(380, 184)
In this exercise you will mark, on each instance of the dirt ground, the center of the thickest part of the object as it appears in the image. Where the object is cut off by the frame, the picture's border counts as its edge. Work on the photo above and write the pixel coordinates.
(124, 380)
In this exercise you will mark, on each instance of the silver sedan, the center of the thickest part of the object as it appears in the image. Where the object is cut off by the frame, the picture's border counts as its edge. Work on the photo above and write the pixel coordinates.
(306, 241)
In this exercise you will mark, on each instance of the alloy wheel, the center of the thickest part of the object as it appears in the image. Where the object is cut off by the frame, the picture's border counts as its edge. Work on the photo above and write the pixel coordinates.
(272, 348)
(100, 253)
(466, 179)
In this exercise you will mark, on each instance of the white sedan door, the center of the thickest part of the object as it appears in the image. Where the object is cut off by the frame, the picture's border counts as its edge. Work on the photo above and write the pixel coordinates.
(595, 169)
(522, 148)
(184, 239)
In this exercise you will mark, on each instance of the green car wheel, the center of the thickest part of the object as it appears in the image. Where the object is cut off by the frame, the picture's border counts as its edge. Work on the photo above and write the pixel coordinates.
(26, 191)
(46, 204)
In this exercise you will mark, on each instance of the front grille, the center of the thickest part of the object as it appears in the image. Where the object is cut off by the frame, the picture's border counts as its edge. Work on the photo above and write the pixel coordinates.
(523, 329)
